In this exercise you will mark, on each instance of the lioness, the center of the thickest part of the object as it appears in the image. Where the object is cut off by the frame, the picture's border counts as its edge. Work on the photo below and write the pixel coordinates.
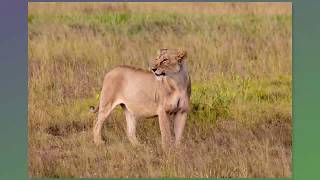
(162, 92)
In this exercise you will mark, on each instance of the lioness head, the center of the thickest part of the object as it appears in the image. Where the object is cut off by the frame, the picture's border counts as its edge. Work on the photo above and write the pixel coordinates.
(167, 62)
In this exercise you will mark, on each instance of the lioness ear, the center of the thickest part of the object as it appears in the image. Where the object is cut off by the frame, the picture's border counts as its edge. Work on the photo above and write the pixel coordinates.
(181, 54)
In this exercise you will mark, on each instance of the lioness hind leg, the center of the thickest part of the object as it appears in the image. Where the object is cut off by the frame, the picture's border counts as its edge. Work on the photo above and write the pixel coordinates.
(104, 112)
(131, 126)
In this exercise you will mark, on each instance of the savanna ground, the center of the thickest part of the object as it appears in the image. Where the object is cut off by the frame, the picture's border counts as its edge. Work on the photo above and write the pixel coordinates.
(239, 58)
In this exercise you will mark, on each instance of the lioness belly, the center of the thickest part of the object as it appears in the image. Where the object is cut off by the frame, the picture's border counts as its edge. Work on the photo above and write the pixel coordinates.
(140, 103)
(142, 110)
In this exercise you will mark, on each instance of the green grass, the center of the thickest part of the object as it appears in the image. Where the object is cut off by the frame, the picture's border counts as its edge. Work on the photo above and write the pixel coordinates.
(240, 65)
(230, 99)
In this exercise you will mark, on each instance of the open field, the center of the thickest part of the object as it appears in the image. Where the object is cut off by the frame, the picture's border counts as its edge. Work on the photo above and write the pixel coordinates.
(239, 59)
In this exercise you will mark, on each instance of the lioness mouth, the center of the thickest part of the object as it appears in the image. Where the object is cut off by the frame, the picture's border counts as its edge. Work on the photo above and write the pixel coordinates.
(161, 74)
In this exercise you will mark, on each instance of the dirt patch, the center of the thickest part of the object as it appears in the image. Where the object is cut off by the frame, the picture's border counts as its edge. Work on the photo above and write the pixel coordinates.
(61, 130)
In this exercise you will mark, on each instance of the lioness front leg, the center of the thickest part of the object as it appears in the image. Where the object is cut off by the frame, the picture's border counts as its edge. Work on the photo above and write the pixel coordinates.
(179, 123)
(166, 138)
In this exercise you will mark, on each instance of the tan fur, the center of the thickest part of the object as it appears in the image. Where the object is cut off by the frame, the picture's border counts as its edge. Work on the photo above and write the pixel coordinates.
(162, 92)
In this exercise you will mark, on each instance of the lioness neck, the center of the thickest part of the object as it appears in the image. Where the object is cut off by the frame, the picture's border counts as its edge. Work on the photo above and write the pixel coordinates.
(180, 80)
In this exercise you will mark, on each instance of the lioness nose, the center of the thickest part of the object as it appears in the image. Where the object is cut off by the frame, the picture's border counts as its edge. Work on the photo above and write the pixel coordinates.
(153, 69)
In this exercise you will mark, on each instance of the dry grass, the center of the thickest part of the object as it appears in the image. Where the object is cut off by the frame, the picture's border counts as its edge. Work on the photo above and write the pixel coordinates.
(239, 61)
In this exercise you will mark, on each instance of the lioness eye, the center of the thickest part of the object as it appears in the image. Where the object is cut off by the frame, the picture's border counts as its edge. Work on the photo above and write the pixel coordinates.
(164, 61)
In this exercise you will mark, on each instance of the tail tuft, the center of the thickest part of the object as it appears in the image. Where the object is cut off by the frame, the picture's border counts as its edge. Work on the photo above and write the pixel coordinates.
(93, 109)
